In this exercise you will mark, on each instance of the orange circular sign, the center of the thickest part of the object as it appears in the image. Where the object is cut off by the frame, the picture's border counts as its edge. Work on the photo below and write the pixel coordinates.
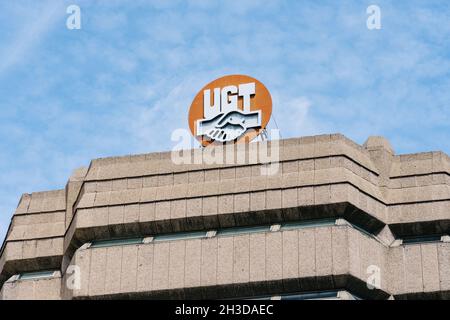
(234, 108)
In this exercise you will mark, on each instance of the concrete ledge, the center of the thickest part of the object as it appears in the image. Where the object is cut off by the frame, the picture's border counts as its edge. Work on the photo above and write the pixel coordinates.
(241, 291)
(38, 289)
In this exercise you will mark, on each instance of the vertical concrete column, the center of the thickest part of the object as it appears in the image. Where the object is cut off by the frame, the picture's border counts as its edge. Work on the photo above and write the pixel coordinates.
(382, 154)
(73, 188)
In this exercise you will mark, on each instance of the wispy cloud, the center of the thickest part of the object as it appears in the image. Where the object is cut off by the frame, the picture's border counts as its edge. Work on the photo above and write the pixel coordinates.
(35, 25)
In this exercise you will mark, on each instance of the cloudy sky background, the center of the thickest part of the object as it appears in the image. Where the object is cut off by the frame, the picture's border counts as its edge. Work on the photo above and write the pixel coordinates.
(122, 83)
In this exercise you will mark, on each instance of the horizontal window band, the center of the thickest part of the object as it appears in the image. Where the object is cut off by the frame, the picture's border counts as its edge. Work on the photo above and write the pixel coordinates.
(421, 239)
(37, 275)
(232, 231)
(180, 236)
(308, 224)
(320, 295)
(236, 231)
(116, 242)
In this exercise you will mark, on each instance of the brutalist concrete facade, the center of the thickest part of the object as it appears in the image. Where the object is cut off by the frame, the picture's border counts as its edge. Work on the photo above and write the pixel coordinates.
(374, 198)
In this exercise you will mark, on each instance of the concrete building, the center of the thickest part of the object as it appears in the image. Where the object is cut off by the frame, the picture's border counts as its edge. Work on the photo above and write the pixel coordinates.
(335, 221)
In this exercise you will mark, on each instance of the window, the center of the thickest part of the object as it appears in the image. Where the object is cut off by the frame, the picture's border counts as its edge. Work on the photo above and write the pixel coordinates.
(36, 275)
(421, 239)
(116, 242)
(308, 224)
(242, 230)
(318, 295)
(180, 236)
(311, 296)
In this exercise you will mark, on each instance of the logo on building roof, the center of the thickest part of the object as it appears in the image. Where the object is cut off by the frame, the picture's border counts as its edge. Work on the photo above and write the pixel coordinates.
(233, 108)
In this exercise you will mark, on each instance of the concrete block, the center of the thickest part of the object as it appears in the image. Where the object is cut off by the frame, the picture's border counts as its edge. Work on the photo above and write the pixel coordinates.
(209, 262)
(274, 181)
(372, 260)
(14, 250)
(227, 173)
(289, 198)
(242, 184)
(86, 200)
(444, 265)
(35, 203)
(179, 191)
(23, 203)
(340, 245)
(161, 266)
(306, 178)
(113, 269)
(211, 175)
(180, 178)
(119, 185)
(258, 183)
(162, 210)
(324, 254)
(242, 202)
(115, 215)
(148, 194)
(194, 207)
(128, 276)
(178, 209)
(273, 199)
(226, 186)
(29, 249)
(135, 183)
(98, 216)
(395, 275)
(24, 290)
(163, 193)
(193, 263)
(322, 194)
(322, 163)
(305, 196)
(131, 213)
(430, 265)
(290, 167)
(145, 268)
(290, 254)
(102, 199)
(104, 186)
(244, 172)
(226, 204)
(306, 165)
(196, 176)
(241, 263)
(290, 180)
(257, 257)
(225, 260)
(354, 239)
(147, 212)
(165, 179)
(49, 247)
(97, 272)
(413, 268)
(47, 289)
(274, 256)
(150, 182)
(257, 201)
(82, 259)
(210, 188)
(209, 206)
(176, 264)
(339, 193)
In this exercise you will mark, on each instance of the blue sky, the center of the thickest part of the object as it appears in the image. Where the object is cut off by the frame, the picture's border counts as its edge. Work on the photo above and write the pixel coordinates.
(122, 83)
